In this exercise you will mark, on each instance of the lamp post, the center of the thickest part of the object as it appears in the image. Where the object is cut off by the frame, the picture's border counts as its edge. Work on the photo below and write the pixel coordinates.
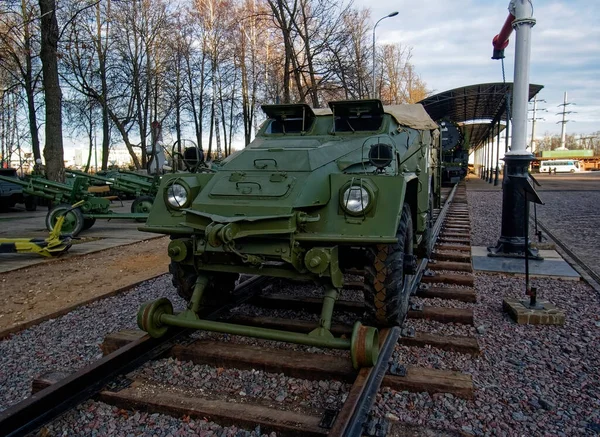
(393, 14)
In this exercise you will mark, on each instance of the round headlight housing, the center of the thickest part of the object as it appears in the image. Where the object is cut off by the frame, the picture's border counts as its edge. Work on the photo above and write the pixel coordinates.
(177, 196)
(356, 200)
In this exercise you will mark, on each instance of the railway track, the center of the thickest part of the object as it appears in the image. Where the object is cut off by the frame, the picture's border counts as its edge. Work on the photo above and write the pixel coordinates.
(447, 275)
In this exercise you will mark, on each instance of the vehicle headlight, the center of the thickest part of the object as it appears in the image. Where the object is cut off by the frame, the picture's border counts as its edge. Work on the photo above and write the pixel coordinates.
(177, 195)
(356, 200)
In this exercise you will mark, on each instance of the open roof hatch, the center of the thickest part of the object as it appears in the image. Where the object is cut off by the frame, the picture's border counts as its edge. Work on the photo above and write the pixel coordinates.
(294, 118)
(357, 115)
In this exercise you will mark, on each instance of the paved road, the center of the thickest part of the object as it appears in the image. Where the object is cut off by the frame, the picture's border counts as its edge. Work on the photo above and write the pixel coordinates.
(18, 223)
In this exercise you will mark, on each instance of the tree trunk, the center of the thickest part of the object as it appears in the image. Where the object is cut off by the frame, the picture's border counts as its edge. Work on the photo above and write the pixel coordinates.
(30, 87)
(104, 83)
(53, 149)
(91, 140)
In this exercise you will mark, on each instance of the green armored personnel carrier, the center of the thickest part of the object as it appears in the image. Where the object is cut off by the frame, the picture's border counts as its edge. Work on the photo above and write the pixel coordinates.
(317, 191)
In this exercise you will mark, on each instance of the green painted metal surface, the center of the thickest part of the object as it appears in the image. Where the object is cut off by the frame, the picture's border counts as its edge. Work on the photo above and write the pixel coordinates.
(123, 182)
(254, 331)
(268, 206)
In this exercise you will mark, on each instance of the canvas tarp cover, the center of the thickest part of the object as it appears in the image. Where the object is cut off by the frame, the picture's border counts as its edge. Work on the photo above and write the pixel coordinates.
(413, 116)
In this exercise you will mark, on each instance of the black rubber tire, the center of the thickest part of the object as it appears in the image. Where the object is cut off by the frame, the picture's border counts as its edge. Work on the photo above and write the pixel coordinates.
(88, 223)
(30, 203)
(385, 283)
(74, 223)
(142, 204)
(217, 292)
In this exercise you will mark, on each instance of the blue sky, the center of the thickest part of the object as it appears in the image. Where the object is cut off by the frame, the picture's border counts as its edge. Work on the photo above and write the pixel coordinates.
(452, 47)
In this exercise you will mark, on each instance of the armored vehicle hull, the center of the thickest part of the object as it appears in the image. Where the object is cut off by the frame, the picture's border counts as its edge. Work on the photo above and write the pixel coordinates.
(314, 192)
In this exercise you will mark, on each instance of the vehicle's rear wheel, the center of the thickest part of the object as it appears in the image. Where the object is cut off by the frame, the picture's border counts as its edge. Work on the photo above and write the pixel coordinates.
(386, 285)
(218, 291)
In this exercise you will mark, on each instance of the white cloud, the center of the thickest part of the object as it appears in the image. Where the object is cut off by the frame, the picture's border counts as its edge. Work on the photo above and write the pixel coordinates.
(452, 47)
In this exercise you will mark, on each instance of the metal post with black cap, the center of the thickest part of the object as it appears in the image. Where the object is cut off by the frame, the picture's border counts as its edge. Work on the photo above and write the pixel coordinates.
(513, 241)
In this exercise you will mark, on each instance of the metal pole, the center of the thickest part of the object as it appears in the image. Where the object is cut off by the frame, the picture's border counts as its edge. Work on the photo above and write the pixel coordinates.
(484, 159)
(522, 24)
(393, 14)
(491, 157)
(497, 155)
(483, 156)
(563, 130)
(532, 144)
(513, 241)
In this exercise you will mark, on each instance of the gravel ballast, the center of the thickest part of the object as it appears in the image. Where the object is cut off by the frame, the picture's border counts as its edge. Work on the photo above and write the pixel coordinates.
(529, 380)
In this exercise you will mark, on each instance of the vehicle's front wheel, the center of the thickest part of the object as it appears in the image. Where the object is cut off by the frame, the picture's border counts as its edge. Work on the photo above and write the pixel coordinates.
(386, 284)
(217, 292)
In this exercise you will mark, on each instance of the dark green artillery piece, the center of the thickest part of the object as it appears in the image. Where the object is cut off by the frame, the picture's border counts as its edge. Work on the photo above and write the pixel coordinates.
(62, 196)
(318, 191)
(142, 188)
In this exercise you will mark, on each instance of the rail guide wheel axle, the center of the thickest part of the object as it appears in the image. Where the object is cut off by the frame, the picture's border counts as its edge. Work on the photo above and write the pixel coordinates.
(148, 317)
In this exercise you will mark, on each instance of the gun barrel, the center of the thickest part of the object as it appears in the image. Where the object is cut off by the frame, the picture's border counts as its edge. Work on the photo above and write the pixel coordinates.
(88, 175)
(13, 181)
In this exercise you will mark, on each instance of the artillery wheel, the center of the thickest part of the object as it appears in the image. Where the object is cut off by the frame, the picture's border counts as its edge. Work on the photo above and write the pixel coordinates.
(364, 346)
(142, 204)
(88, 223)
(386, 285)
(73, 223)
(217, 291)
(148, 317)
(30, 203)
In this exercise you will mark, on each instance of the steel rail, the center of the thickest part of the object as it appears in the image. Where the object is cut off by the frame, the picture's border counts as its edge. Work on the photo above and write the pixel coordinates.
(435, 232)
(439, 222)
(44, 406)
(364, 390)
(47, 404)
(360, 400)
(580, 264)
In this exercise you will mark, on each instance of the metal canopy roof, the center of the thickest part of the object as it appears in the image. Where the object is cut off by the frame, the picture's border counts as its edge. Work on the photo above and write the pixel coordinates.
(480, 102)
(478, 132)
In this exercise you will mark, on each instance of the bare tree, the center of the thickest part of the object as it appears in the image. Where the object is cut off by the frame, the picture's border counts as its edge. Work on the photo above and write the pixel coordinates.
(252, 43)
(216, 23)
(81, 116)
(398, 81)
(53, 149)
(19, 46)
(349, 55)
(91, 70)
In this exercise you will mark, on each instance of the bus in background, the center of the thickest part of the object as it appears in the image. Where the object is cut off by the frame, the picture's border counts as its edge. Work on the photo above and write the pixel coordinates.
(560, 166)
